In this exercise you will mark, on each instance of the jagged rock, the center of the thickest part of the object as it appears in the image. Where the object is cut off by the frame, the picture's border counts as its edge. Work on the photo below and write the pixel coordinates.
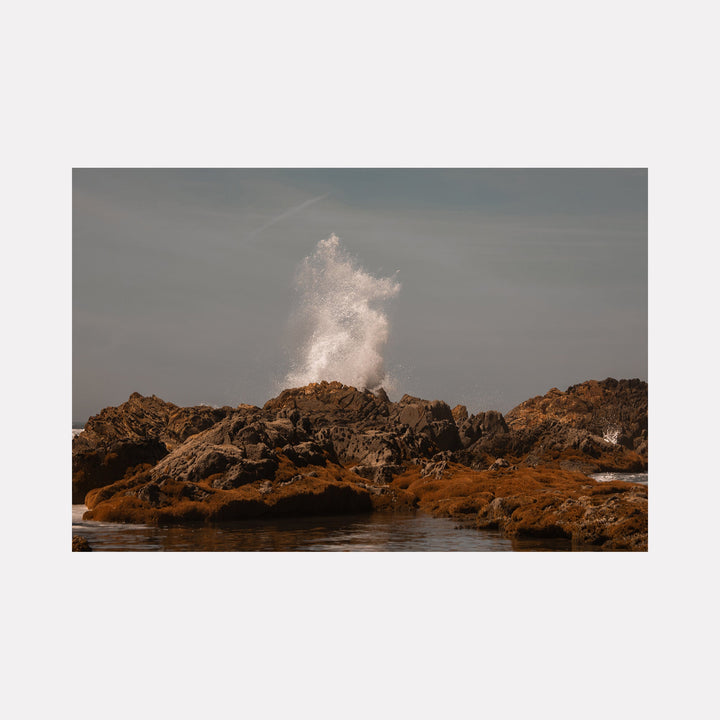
(149, 461)
(141, 431)
(330, 403)
(108, 463)
(601, 420)
(593, 406)
(167, 503)
(485, 425)
(499, 463)
(305, 453)
(459, 413)
(539, 502)
(142, 418)
(378, 474)
(80, 544)
(245, 472)
(438, 465)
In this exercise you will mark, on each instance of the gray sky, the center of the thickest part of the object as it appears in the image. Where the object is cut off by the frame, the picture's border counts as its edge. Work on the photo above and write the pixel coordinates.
(513, 281)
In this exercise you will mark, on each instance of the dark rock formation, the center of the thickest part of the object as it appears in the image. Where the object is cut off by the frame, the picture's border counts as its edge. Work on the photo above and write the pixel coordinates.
(593, 426)
(329, 403)
(141, 431)
(536, 502)
(327, 448)
(106, 463)
(80, 544)
(145, 418)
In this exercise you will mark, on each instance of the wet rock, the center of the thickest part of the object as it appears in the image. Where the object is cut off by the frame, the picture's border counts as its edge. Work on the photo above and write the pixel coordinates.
(367, 452)
(499, 464)
(329, 403)
(209, 461)
(305, 453)
(434, 469)
(108, 463)
(80, 544)
(142, 418)
(245, 472)
(378, 474)
(601, 419)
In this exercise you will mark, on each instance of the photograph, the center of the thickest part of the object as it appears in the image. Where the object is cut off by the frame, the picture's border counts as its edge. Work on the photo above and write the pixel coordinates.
(359, 359)
(365, 317)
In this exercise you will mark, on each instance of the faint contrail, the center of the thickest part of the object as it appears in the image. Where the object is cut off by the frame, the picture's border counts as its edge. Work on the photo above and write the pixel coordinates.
(286, 214)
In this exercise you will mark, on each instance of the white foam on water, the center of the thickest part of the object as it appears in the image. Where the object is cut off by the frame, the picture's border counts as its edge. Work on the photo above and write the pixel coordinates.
(342, 314)
(640, 478)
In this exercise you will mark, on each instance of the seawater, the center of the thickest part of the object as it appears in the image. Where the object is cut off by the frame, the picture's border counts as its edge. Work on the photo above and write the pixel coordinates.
(373, 532)
(404, 532)
(341, 314)
(640, 478)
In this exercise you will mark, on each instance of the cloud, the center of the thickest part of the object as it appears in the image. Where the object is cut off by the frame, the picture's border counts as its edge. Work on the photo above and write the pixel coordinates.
(284, 215)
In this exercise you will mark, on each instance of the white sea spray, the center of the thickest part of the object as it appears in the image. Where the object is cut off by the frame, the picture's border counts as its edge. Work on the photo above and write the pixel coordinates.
(342, 313)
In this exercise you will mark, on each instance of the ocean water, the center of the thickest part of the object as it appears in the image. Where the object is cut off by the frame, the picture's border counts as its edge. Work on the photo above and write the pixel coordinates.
(640, 478)
(377, 532)
(404, 532)
(373, 532)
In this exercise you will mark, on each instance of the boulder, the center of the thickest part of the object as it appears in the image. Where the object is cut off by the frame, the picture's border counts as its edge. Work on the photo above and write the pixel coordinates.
(108, 463)
(80, 544)
(499, 464)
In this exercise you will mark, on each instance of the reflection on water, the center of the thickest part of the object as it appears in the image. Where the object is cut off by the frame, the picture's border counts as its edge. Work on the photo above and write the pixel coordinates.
(374, 532)
(378, 531)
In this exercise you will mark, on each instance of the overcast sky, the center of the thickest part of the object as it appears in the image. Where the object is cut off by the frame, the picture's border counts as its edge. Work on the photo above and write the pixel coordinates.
(513, 281)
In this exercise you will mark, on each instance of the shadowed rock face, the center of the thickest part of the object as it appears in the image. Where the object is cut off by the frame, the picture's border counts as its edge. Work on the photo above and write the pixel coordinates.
(330, 403)
(80, 544)
(139, 432)
(593, 426)
(332, 448)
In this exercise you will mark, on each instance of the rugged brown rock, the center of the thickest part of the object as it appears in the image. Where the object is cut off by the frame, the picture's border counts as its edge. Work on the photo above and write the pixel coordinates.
(536, 502)
(138, 432)
(329, 448)
(594, 426)
(80, 544)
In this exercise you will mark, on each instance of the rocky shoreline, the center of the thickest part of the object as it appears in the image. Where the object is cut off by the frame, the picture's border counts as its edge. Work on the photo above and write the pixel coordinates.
(327, 448)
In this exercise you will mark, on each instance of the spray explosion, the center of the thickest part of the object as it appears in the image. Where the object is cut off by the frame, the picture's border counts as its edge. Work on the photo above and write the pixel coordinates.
(347, 328)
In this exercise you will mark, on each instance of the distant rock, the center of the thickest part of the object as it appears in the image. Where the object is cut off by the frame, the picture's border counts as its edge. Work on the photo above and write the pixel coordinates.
(594, 406)
(595, 426)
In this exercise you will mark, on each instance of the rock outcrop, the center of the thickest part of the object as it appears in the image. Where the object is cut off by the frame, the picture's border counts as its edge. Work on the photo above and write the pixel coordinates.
(536, 502)
(594, 426)
(330, 448)
(80, 544)
(141, 431)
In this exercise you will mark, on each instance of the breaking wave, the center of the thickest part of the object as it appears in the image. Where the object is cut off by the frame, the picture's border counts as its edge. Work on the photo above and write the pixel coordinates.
(342, 319)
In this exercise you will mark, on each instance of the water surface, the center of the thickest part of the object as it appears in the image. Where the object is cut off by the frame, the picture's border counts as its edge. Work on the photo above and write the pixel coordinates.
(639, 478)
(374, 532)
